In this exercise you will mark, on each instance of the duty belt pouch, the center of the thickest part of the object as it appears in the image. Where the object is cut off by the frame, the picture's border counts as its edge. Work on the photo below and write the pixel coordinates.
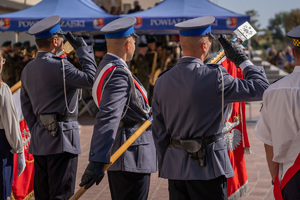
(49, 121)
(195, 149)
(201, 155)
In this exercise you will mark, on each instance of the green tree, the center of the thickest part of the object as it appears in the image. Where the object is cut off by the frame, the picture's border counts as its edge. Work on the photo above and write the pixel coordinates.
(292, 20)
(277, 25)
(253, 19)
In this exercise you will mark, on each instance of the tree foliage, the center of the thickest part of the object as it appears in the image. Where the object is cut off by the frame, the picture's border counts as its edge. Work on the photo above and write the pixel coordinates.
(292, 20)
(277, 25)
(253, 19)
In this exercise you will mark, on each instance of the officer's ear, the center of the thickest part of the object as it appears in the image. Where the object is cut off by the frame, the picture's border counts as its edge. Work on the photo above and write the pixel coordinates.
(127, 44)
(203, 46)
(54, 41)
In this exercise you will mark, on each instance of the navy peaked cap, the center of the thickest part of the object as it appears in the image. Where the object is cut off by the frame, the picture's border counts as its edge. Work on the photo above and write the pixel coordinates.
(46, 27)
(196, 27)
(295, 34)
(119, 28)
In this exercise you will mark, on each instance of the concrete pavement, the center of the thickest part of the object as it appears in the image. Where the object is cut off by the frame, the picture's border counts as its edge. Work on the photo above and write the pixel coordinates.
(259, 179)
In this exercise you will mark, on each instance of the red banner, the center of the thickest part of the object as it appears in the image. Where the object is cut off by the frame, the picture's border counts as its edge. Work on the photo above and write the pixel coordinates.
(237, 141)
(22, 187)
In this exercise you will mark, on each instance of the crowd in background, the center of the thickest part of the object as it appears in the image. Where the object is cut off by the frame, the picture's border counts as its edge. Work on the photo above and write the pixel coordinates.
(118, 11)
(283, 59)
(16, 57)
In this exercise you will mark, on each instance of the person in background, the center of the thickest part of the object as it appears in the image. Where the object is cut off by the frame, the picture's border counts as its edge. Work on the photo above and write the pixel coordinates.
(99, 52)
(136, 7)
(290, 61)
(26, 46)
(189, 104)
(33, 51)
(49, 97)
(140, 65)
(123, 108)
(272, 52)
(8, 67)
(279, 128)
(279, 59)
(152, 59)
(10, 138)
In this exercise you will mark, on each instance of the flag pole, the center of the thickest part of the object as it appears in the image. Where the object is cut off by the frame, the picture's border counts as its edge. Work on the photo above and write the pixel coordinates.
(117, 154)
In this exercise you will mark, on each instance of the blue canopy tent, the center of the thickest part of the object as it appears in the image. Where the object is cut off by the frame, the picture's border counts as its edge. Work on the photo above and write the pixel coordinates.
(77, 15)
(162, 18)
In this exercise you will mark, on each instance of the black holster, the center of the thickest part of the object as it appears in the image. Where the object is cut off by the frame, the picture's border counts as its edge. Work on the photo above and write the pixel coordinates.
(49, 121)
(195, 148)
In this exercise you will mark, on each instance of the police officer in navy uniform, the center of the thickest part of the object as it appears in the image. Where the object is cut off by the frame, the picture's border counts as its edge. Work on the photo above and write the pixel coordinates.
(123, 107)
(49, 98)
(187, 113)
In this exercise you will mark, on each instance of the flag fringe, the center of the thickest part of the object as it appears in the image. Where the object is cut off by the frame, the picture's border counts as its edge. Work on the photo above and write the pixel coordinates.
(28, 197)
(240, 192)
(247, 150)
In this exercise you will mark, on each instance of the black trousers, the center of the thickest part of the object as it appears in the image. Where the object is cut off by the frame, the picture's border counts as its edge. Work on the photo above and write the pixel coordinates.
(215, 189)
(291, 191)
(6, 166)
(55, 176)
(128, 185)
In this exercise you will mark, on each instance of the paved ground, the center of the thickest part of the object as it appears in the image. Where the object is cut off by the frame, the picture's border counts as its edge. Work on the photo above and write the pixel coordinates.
(259, 179)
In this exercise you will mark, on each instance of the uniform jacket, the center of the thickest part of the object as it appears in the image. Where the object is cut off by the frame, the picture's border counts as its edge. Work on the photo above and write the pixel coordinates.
(187, 105)
(42, 92)
(140, 157)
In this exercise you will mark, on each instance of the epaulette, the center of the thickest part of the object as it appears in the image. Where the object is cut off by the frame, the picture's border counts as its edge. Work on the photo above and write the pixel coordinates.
(118, 63)
(164, 72)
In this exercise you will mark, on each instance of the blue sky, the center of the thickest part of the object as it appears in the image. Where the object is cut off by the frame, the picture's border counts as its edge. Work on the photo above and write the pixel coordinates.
(265, 8)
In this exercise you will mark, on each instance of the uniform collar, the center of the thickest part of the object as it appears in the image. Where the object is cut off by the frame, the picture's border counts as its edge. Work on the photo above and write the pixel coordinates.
(45, 53)
(120, 59)
(191, 59)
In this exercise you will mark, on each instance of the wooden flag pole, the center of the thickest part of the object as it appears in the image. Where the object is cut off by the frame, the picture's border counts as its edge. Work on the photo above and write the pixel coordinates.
(117, 154)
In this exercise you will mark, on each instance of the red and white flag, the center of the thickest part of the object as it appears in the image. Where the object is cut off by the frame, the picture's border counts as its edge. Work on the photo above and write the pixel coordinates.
(237, 141)
(22, 188)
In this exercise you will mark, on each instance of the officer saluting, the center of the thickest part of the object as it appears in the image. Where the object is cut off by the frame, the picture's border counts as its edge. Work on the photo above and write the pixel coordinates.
(187, 113)
(123, 107)
(49, 98)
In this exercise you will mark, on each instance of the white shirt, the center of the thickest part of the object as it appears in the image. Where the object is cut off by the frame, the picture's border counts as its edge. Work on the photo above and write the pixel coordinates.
(279, 123)
(9, 119)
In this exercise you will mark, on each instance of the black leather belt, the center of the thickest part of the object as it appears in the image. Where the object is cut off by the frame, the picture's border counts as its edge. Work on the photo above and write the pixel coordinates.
(66, 118)
(195, 147)
(131, 124)
(62, 118)
(206, 140)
